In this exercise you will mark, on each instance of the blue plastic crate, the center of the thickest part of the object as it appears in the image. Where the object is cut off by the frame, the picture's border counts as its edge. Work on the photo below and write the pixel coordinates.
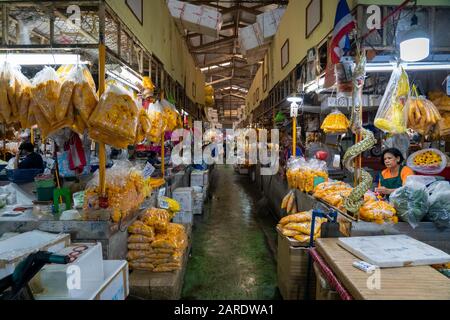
(23, 175)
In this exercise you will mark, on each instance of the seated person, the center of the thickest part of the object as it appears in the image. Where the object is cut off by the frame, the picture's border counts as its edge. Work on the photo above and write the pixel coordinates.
(153, 158)
(395, 174)
(31, 160)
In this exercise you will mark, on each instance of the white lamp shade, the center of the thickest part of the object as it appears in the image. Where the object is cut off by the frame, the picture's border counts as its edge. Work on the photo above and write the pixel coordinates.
(415, 49)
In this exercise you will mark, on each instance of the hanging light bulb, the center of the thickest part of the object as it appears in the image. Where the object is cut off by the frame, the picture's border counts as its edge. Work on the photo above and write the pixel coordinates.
(295, 97)
(415, 43)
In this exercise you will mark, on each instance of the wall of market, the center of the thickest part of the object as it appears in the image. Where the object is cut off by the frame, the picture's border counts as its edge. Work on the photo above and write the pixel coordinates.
(293, 27)
(161, 37)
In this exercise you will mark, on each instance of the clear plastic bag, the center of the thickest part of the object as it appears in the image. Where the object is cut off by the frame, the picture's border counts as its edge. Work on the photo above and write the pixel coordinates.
(158, 125)
(439, 211)
(423, 115)
(335, 123)
(7, 91)
(427, 161)
(115, 119)
(65, 98)
(392, 114)
(84, 97)
(411, 202)
(170, 114)
(23, 98)
(45, 92)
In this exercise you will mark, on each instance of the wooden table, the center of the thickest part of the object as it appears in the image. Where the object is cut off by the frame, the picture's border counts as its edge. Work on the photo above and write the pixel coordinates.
(409, 283)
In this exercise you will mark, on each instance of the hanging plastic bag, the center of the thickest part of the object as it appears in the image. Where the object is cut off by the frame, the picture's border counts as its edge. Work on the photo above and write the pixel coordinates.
(170, 115)
(65, 98)
(391, 116)
(335, 123)
(422, 114)
(45, 92)
(439, 211)
(84, 97)
(427, 161)
(155, 113)
(411, 201)
(7, 91)
(23, 98)
(115, 119)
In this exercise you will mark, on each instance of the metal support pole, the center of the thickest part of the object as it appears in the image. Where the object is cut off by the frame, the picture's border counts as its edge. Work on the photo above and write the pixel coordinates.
(294, 137)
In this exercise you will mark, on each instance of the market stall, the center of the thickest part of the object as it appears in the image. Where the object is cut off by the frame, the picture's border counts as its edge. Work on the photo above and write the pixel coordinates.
(78, 92)
(379, 104)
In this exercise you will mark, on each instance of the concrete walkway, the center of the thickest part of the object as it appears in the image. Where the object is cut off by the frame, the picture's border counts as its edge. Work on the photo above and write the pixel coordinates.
(230, 256)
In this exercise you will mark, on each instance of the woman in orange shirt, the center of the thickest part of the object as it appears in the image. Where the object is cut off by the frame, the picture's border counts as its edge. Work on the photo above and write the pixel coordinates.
(395, 174)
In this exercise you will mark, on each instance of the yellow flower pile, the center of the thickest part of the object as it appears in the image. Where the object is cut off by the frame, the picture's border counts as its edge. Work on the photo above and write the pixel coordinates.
(126, 191)
(378, 212)
(335, 123)
(303, 178)
(333, 193)
(115, 119)
(162, 252)
(171, 116)
(298, 226)
(157, 122)
(428, 159)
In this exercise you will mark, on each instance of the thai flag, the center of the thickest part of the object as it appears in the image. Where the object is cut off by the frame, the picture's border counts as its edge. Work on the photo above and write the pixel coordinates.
(343, 24)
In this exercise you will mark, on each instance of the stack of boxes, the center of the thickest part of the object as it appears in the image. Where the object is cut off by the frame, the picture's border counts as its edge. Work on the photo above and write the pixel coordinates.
(199, 184)
(255, 39)
(199, 19)
(185, 197)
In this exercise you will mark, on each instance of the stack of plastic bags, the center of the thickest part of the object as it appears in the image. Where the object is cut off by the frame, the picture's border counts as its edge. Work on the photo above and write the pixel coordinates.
(333, 193)
(378, 211)
(126, 190)
(155, 244)
(298, 226)
(115, 119)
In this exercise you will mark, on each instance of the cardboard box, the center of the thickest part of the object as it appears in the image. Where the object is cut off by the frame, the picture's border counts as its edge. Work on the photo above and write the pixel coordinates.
(251, 37)
(292, 271)
(200, 19)
(323, 289)
(185, 197)
(269, 21)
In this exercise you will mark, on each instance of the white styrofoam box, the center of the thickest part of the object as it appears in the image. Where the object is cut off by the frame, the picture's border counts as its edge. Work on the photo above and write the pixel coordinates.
(184, 218)
(198, 203)
(200, 19)
(269, 21)
(185, 197)
(14, 249)
(197, 178)
(113, 286)
(251, 37)
(88, 267)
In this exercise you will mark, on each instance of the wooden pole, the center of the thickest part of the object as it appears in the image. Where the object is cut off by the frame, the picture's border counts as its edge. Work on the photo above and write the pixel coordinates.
(101, 90)
(163, 162)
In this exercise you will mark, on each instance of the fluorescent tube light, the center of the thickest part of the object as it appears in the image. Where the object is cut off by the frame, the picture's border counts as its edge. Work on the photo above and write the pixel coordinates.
(35, 59)
(387, 67)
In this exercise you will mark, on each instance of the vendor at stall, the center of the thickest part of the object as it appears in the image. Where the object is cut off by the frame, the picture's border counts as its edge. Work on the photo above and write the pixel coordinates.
(395, 174)
(31, 160)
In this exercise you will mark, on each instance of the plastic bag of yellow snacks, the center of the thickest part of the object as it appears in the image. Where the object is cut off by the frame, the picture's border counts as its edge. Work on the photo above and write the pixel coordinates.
(158, 125)
(115, 119)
